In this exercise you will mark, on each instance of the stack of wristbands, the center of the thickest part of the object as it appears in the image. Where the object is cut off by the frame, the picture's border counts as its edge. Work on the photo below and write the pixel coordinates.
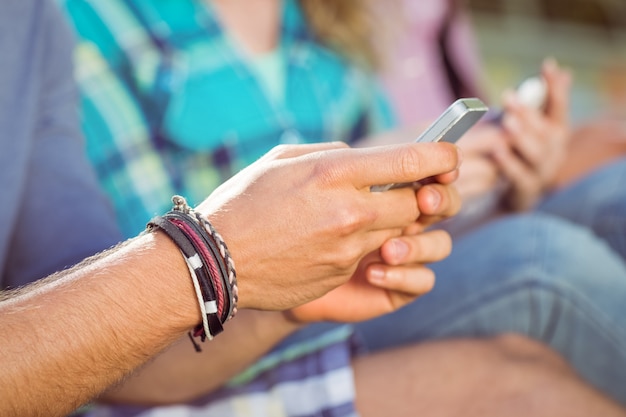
(210, 265)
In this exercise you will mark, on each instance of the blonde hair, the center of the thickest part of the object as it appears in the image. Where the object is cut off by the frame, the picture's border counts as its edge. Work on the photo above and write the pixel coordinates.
(346, 26)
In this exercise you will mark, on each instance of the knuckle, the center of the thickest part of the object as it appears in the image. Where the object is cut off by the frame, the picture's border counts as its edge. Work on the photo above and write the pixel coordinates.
(410, 162)
(350, 219)
(327, 172)
(352, 255)
(347, 256)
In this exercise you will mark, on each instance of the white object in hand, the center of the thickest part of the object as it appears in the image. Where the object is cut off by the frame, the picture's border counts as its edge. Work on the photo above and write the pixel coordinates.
(533, 92)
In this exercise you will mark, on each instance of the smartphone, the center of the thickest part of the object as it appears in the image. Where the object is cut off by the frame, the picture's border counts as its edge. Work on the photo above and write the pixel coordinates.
(449, 127)
(532, 92)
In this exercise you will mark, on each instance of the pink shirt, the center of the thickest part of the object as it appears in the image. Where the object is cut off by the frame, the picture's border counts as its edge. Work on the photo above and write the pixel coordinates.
(414, 76)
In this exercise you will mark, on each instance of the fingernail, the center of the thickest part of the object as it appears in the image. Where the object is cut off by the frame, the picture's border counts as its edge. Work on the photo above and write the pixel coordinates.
(399, 249)
(433, 199)
(376, 274)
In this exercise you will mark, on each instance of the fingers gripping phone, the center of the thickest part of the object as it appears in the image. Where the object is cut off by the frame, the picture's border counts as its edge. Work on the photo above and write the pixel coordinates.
(449, 127)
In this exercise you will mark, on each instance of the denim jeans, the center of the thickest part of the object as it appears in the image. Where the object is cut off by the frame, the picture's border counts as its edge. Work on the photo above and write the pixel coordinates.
(556, 275)
(534, 275)
(597, 202)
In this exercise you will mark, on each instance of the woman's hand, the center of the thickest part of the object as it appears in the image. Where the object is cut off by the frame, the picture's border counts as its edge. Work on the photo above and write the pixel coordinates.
(537, 140)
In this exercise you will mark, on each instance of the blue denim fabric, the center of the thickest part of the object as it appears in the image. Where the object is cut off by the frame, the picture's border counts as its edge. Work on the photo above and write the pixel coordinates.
(598, 202)
(53, 212)
(537, 274)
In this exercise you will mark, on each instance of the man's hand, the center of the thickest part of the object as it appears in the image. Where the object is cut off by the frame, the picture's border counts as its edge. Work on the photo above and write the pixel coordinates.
(308, 218)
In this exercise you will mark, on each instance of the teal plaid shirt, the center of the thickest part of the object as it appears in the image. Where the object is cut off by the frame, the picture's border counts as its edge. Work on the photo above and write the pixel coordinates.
(170, 106)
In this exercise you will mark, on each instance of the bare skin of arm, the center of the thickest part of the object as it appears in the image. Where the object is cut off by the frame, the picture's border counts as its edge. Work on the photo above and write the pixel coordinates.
(50, 351)
(181, 374)
(66, 339)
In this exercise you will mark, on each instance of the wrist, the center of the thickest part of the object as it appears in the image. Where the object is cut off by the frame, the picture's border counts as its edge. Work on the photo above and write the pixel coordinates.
(209, 264)
(173, 282)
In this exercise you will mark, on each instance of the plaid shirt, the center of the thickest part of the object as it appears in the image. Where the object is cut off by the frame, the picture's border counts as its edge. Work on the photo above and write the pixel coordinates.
(311, 379)
(171, 107)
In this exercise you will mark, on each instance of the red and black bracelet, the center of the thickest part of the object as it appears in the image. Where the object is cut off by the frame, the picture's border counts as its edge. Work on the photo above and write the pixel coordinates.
(209, 262)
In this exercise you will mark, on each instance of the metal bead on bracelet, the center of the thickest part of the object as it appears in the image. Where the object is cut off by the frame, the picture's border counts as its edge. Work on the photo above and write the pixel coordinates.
(210, 265)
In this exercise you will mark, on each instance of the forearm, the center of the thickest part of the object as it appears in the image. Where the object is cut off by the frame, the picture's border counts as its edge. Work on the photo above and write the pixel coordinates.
(65, 341)
(79, 333)
(181, 374)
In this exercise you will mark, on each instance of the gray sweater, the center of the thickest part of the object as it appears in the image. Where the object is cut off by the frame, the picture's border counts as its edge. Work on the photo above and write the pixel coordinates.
(53, 213)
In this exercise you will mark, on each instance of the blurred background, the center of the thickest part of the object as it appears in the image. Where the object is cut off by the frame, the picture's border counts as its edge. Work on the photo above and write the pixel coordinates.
(588, 36)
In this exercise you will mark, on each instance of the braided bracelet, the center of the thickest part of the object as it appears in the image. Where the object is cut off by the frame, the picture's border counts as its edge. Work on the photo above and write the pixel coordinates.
(209, 263)
(230, 263)
(220, 250)
(211, 325)
(213, 288)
